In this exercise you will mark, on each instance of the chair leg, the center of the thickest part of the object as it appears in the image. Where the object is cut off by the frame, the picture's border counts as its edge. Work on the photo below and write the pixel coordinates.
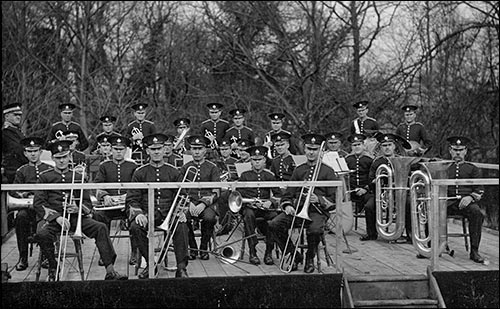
(466, 233)
(39, 265)
(79, 256)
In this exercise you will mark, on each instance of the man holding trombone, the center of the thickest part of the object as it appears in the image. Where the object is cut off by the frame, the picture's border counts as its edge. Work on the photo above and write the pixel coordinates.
(310, 204)
(137, 205)
(53, 206)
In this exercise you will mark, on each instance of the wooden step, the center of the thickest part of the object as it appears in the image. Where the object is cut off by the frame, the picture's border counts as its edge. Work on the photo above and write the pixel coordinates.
(375, 288)
(397, 303)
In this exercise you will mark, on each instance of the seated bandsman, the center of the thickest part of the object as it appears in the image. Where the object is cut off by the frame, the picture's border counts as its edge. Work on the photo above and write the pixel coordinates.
(241, 153)
(104, 148)
(227, 161)
(49, 206)
(262, 207)
(283, 164)
(334, 143)
(467, 205)
(156, 170)
(321, 200)
(202, 201)
(359, 163)
(170, 156)
(76, 156)
(117, 169)
(107, 123)
(26, 218)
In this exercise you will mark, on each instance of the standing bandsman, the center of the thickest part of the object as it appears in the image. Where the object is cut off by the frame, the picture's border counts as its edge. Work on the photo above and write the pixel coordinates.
(321, 199)
(277, 120)
(467, 205)
(282, 165)
(137, 204)
(137, 129)
(414, 132)
(359, 162)
(117, 169)
(107, 123)
(262, 207)
(12, 150)
(334, 143)
(215, 125)
(202, 201)
(26, 218)
(239, 130)
(66, 124)
(170, 156)
(49, 206)
(363, 124)
(182, 125)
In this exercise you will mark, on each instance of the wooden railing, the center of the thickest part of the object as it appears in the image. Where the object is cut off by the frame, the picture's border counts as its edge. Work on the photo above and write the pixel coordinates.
(187, 185)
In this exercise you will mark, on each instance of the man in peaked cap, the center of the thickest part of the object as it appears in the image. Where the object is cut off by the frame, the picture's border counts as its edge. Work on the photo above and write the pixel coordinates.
(170, 156)
(49, 205)
(215, 125)
(202, 201)
(264, 206)
(463, 200)
(77, 157)
(183, 128)
(241, 150)
(67, 124)
(26, 218)
(282, 165)
(322, 200)
(12, 150)
(157, 170)
(334, 143)
(359, 162)
(107, 123)
(239, 130)
(414, 132)
(139, 128)
(363, 124)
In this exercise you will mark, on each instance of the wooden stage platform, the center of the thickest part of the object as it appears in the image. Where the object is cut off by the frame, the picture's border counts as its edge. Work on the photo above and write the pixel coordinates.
(368, 258)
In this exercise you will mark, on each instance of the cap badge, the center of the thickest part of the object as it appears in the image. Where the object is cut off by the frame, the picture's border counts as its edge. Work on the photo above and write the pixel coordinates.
(313, 140)
(197, 140)
(459, 142)
(59, 148)
(257, 152)
(118, 140)
(155, 140)
(32, 143)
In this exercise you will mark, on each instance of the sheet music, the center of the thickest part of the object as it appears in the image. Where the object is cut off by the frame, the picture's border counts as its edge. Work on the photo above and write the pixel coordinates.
(242, 167)
(187, 158)
(299, 159)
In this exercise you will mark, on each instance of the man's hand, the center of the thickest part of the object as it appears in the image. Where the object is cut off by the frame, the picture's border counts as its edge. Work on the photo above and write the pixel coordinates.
(182, 217)
(196, 210)
(72, 209)
(289, 210)
(108, 200)
(64, 223)
(266, 204)
(137, 136)
(48, 212)
(141, 220)
(360, 191)
(476, 196)
(314, 199)
(465, 201)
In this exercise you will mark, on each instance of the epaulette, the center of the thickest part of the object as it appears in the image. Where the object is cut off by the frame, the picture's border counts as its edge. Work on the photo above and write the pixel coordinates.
(148, 121)
(47, 170)
(56, 123)
(72, 122)
(371, 118)
(248, 128)
(419, 123)
(223, 120)
(141, 167)
(168, 164)
(288, 132)
(232, 127)
(269, 171)
(131, 123)
(21, 167)
(205, 121)
(351, 154)
(211, 162)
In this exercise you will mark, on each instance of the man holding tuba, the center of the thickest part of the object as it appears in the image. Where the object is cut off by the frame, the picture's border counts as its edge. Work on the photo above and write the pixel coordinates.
(49, 206)
(157, 170)
(261, 206)
(470, 195)
(321, 200)
(26, 217)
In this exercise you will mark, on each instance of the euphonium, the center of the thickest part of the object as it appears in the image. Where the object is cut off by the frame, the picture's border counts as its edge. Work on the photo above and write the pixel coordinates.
(390, 197)
(420, 195)
(179, 205)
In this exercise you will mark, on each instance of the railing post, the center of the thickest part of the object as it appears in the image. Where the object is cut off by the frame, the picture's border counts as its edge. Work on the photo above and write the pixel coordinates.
(339, 232)
(151, 233)
(435, 246)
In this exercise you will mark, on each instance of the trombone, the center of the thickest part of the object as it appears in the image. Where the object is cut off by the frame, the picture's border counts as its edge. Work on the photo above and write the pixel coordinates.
(179, 205)
(287, 259)
(69, 201)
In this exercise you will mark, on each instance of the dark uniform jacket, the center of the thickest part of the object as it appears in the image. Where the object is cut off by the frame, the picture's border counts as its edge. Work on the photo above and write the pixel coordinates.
(70, 126)
(463, 170)
(137, 199)
(414, 132)
(207, 172)
(218, 128)
(367, 124)
(282, 167)
(226, 165)
(174, 159)
(360, 165)
(146, 127)
(12, 151)
(326, 195)
(259, 193)
(244, 132)
(55, 199)
(29, 173)
(109, 171)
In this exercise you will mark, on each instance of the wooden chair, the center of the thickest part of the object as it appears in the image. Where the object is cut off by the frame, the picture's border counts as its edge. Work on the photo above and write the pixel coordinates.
(465, 230)
(77, 254)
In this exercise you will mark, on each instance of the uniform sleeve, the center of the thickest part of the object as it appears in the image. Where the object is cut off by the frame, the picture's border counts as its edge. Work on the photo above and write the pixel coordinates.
(133, 202)
(41, 200)
(100, 178)
(289, 195)
(82, 139)
(371, 175)
(399, 131)
(476, 173)
(427, 143)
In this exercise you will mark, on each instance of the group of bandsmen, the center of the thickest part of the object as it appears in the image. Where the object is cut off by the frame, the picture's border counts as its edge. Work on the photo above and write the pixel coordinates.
(214, 147)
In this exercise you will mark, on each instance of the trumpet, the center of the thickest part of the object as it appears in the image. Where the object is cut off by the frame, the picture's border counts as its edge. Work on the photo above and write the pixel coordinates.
(287, 259)
(179, 205)
(213, 140)
(69, 201)
(235, 202)
(269, 151)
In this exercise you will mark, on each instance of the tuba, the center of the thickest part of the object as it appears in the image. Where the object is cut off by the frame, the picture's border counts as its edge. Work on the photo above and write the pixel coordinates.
(420, 195)
(390, 196)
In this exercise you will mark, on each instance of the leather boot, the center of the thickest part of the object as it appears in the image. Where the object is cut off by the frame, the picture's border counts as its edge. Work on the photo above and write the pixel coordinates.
(254, 259)
(52, 275)
(309, 266)
(181, 273)
(474, 255)
(268, 258)
(298, 260)
(22, 265)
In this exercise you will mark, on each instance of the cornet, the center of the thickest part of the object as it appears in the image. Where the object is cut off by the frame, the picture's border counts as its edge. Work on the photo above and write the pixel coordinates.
(213, 140)
(136, 131)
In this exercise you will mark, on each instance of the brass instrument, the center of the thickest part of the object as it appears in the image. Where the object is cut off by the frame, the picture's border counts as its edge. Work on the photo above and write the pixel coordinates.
(136, 131)
(270, 142)
(420, 195)
(118, 202)
(15, 204)
(179, 205)
(69, 201)
(180, 140)
(213, 142)
(287, 259)
(235, 202)
(390, 197)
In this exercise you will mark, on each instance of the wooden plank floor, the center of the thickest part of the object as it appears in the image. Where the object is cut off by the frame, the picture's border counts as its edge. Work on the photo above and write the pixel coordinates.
(369, 258)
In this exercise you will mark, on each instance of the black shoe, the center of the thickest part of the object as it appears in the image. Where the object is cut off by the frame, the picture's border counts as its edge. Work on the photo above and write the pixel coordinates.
(192, 255)
(254, 259)
(268, 258)
(100, 262)
(204, 256)
(45, 263)
(22, 265)
(368, 237)
(133, 259)
(474, 255)
(298, 260)
(114, 275)
(181, 273)
(420, 256)
(145, 273)
(52, 275)
(309, 267)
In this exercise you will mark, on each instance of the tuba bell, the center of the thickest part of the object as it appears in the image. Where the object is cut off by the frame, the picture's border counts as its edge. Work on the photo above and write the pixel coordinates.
(391, 185)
